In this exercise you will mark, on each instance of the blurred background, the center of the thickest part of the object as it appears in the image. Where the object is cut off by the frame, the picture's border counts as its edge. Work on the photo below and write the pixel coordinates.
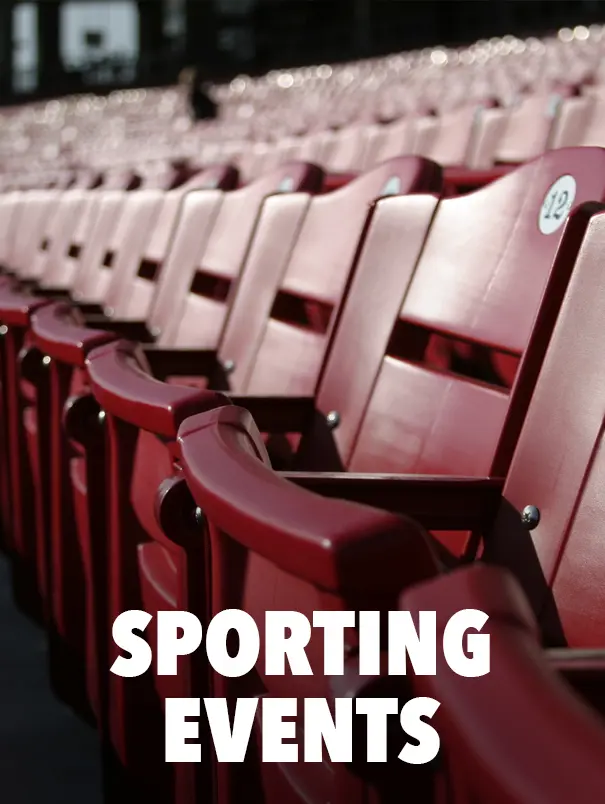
(55, 47)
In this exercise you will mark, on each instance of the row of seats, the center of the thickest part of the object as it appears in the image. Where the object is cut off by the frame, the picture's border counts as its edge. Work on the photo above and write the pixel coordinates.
(501, 101)
(286, 396)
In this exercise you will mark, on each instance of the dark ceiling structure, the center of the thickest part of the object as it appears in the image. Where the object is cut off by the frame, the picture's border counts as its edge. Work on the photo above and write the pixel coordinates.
(227, 37)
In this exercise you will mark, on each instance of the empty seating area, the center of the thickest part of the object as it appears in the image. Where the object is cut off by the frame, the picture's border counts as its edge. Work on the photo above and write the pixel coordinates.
(339, 348)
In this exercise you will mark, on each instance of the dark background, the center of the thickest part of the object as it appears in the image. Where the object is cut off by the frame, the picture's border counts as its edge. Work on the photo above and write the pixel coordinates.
(230, 37)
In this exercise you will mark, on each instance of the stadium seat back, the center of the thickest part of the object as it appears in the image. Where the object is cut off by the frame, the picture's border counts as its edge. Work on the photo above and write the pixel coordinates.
(452, 140)
(149, 218)
(303, 313)
(10, 211)
(50, 264)
(584, 121)
(33, 225)
(483, 754)
(490, 127)
(558, 469)
(116, 282)
(192, 298)
(481, 279)
(391, 140)
(100, 244)
(273, 548)
(573, 123)
(198, 214)
(529, 128)
(132, 290)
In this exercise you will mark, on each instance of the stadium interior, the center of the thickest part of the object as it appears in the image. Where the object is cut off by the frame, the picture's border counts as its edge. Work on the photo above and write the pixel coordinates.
(300, 310)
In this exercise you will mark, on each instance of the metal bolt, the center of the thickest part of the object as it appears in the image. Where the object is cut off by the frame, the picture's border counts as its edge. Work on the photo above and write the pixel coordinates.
(101, 417)
(3, 329)
(530, 516)
(228, 366)
(46, 360)
(200, 519)
(156, 332)
(333, 419)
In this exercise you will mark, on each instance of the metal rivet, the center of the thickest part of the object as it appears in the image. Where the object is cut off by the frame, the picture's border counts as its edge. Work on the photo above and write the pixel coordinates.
(228, 366)
(3, 329)
(101, 417)
(109, 311)
(200, 519)
(46, 360)
(156, 332)
(530, 516)
(333, 419)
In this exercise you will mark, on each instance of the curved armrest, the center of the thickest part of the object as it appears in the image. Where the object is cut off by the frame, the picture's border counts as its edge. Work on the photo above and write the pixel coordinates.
(437, 502)
(506, 732)
(125, 389)
(336, 545)
(16, 308)
(58, 335)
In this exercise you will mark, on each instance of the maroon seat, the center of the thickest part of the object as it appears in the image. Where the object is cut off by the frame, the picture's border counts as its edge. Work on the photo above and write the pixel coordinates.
(502, 734)
(28, 237)
(354, 376)
(300, 557)
(55, 337)
(506, 137)
(387, 405)
(75, 257)
(123, 283)
(542, 517)
(555, 470)
(340, 416)
(108, 368)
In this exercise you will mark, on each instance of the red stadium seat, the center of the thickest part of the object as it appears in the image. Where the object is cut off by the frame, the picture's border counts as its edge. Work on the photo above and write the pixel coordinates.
(501, 734)
(121, 387)
(297, 559)
(63, 569)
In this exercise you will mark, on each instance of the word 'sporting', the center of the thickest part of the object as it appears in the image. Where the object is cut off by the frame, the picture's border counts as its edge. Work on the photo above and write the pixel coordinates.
(283, 641)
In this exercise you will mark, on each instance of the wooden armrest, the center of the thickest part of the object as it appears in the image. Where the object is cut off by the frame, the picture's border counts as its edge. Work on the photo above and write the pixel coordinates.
(517, 720)
(17, 308)
(125, 389)
(279, 414)
(339, 547)
(181, 362)
(438, 503)
(124, 328)
(57, 334)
